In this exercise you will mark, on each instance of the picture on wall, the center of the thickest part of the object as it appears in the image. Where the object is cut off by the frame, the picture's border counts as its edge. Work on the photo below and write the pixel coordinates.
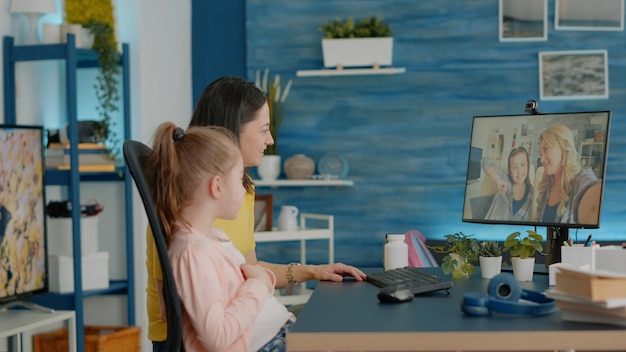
(580, 74)
(596, 15)
(263, 204)
(523, 20)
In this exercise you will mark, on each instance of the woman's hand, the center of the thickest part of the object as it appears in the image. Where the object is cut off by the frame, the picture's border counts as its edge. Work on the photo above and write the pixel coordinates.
(255, 271)
(336, 272)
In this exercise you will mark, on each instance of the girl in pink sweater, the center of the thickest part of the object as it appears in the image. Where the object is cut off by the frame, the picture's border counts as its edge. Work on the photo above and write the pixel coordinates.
(197, 176)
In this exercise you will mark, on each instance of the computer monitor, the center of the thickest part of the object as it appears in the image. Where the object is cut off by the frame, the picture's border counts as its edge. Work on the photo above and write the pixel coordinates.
(23, 250)
(539, 170)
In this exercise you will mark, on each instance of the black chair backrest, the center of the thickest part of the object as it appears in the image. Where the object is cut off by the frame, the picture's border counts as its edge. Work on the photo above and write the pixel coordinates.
(135, 153)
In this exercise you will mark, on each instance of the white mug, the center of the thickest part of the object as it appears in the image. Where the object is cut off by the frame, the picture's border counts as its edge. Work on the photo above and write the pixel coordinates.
(288, 218)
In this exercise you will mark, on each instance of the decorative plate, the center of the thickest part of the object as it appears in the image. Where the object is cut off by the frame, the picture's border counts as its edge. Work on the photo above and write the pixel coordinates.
(333, 164)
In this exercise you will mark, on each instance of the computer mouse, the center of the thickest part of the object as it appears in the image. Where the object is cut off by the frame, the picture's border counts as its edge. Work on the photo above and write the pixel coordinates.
(393, 294)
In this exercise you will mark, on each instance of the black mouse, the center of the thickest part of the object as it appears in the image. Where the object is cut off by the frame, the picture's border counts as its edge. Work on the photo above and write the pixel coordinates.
(394, 294)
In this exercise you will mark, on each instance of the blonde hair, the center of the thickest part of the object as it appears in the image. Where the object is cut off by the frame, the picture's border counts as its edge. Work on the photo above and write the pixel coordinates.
(559, 135)
(180, 161)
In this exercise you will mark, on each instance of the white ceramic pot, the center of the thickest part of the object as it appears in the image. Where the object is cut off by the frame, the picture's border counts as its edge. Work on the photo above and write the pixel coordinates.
(357, 52)
(523, 268)
(490, 266)
(269, 168)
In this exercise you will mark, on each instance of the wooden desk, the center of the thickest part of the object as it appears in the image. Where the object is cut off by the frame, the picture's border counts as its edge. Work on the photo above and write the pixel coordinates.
(348, 317)
(14, 322)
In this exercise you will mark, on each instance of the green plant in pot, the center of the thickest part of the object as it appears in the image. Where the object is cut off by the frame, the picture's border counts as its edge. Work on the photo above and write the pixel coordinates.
(490, 258)
(523, 249)
(369, 27)
(462, 253)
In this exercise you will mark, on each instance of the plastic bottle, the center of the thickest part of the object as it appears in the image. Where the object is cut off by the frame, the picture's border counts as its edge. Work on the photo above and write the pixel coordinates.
(396, 252)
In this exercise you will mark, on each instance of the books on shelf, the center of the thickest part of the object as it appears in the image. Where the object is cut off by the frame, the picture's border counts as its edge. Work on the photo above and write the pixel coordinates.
(92, 157)
(595, 285)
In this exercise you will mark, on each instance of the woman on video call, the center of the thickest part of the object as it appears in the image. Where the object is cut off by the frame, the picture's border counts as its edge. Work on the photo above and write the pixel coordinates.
(567, 193)
(514, 198)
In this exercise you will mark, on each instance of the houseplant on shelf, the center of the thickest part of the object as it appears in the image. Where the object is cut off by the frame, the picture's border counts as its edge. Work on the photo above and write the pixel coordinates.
(98, 18)
(523, 251)
(367, 43)
(462, 253)
(269, 169)
(490, 259)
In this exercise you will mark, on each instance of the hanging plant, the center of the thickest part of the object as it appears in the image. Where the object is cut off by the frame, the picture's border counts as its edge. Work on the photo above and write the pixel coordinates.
(97, 16)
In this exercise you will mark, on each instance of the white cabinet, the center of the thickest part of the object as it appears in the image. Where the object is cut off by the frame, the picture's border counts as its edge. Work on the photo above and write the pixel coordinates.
(304, 233)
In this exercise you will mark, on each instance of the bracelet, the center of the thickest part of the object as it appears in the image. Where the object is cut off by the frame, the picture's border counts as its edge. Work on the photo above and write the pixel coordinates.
(289, 276)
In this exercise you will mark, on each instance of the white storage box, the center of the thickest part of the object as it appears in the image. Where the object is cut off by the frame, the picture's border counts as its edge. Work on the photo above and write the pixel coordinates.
(579, 254)
(611, 258)
(95, 269)
(60, 235)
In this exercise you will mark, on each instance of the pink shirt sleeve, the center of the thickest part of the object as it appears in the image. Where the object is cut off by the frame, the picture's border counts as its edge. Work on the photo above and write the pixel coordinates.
(219, 306)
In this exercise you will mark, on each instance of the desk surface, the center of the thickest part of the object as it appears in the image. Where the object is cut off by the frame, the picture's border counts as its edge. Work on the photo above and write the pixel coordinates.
(348, 317)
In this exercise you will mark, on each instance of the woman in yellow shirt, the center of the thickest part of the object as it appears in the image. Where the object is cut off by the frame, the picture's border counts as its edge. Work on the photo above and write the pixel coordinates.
(241, 107)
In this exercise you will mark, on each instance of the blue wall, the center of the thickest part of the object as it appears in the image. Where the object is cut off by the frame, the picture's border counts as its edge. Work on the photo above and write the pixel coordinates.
(406, 136)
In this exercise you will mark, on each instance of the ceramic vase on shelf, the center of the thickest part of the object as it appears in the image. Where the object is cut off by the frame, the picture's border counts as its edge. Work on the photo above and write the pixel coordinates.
(288, 218)
(269, 168)
(299, 166)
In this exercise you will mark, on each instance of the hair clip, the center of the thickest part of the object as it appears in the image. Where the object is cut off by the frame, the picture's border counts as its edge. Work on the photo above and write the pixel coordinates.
(179, 133)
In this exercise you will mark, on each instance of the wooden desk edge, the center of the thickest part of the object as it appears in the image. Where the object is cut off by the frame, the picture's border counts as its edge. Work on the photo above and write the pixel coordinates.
(450, 341)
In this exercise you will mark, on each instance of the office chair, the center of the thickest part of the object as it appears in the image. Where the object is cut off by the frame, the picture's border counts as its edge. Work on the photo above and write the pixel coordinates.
(135, 153)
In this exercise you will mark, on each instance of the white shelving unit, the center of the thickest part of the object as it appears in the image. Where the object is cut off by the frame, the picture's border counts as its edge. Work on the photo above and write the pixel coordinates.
(13, 323)
(351, 72)
(302, 234)
(302, 183)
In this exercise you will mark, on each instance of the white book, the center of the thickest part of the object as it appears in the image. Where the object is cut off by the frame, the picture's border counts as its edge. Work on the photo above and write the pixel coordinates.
(607, 303)
(586, 317)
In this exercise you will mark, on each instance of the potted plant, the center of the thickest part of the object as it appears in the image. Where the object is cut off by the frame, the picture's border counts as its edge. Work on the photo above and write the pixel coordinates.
(462, 253)
(367, 43)
(270, 166)
(490, 259)
(523, 249)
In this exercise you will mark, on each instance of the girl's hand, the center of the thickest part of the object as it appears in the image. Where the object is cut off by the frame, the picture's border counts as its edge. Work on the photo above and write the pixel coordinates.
(501, 186)
(255, 271)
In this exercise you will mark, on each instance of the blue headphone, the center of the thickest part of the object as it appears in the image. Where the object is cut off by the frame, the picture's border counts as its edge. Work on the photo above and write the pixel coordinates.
(504, 293)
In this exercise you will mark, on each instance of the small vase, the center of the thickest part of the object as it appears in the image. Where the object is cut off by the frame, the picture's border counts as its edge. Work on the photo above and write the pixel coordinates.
(490, 266)
(523, 268)
(269, 168)
(299, 166)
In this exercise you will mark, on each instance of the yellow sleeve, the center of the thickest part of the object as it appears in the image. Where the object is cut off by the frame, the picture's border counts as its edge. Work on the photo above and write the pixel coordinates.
(241, 230)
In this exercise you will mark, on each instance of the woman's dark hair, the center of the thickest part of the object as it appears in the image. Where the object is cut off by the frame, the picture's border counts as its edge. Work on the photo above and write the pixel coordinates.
(229, 102)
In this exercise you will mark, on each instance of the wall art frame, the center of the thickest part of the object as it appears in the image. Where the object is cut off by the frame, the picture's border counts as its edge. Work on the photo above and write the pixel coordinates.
(586, 15)
(263, 205)
(523, 20)
(573, 74)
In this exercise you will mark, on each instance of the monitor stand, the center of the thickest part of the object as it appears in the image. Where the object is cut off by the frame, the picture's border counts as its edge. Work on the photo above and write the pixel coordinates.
(555, 237)
(26, 304)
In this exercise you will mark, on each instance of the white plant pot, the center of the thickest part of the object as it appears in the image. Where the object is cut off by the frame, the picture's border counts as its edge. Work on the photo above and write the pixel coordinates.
(269, 168)
(490, 266)
(523, 268)
(357, 52)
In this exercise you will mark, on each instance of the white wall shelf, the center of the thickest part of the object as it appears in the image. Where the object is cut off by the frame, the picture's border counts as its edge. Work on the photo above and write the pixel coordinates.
(302, 234)
(302, 183)
(351, 72)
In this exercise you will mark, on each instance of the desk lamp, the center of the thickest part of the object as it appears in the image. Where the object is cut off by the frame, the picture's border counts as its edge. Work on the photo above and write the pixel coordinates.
(34, 10)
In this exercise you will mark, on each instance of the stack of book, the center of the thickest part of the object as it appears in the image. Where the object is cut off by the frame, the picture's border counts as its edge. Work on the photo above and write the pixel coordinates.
(92, 157)
(597, 296)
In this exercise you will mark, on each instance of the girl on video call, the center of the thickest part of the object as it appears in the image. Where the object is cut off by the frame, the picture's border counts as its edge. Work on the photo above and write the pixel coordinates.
(567, 192)
(228, 305)
(514, 198)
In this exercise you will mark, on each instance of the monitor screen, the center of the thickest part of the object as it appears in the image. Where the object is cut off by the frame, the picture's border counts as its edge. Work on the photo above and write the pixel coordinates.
(541, 170)
(23, 259)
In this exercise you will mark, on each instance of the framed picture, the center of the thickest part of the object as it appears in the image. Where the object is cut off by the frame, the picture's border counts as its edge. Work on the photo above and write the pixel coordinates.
(525, 20)
(263, 212)
(581, 74)
(586, 15)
